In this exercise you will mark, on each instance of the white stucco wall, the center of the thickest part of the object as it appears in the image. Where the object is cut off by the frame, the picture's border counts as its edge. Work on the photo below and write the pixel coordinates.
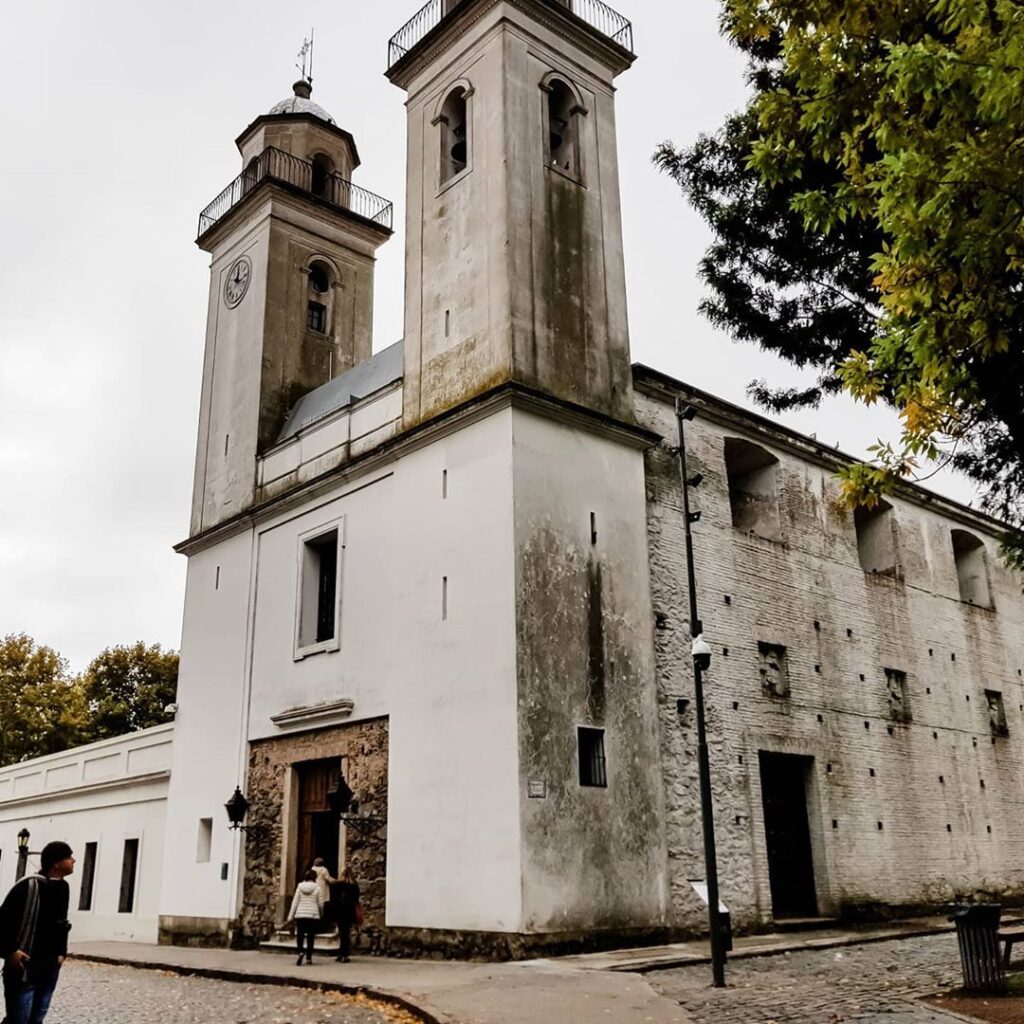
(593, 857)
(209, 743)
(446, 685)
(103, 793)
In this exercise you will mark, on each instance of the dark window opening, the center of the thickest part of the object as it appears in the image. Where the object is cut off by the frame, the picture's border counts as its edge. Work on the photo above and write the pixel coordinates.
(753, 496)
(88, 877)
(317, 623)
(318, 278)
(316, 317)
(996, 713)
(321, 175)
(971, 569)
(876, 539)
(774, 669)
(327, 581)
(129, 867)
(454, 135)
(593, 771)
(563, 129)
(899, 699)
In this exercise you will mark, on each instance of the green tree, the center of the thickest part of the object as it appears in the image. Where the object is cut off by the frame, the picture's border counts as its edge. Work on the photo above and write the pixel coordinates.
(868, 207)
(128, 687)
(42, 707)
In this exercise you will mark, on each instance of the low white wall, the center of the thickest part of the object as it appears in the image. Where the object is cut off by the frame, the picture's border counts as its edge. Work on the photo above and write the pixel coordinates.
(103, 793)
(327, 443)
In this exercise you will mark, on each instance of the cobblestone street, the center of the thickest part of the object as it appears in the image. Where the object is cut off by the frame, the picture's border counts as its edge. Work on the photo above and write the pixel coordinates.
(878, 981)
(101, 994)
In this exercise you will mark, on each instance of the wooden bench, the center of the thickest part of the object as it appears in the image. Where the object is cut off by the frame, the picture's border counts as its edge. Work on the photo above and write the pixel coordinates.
(1009, 936)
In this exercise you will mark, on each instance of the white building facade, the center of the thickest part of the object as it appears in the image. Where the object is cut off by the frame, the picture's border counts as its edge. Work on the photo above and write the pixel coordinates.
(447, 577)
(109, 801)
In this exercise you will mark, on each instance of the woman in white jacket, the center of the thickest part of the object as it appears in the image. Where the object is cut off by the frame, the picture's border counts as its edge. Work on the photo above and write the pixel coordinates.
(307, 911)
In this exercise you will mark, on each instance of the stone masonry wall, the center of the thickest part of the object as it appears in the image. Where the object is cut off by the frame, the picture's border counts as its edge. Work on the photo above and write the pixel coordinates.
(902, 813)
(365, 746)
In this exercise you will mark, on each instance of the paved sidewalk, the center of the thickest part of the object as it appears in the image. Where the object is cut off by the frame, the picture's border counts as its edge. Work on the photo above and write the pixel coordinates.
(623, 986)
(876, 982)
(684, 954)
(534, 992)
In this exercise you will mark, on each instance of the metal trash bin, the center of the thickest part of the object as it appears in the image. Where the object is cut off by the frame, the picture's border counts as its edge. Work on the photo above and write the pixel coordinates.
(977, 931)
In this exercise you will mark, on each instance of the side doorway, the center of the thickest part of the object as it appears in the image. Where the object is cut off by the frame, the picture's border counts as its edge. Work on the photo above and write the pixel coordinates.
(784, 789)
(318, 827)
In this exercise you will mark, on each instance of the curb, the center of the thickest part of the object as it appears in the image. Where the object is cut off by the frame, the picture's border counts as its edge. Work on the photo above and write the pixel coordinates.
(225, 974)
(696, 960)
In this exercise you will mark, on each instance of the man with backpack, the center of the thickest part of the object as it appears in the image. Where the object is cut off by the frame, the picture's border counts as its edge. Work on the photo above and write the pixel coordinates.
(34, 936)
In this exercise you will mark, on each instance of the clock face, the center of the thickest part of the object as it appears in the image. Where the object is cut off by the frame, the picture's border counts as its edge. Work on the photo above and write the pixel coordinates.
(237, 281)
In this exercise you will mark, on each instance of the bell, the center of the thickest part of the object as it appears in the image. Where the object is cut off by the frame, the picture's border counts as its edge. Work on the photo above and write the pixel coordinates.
(459, 152)
(557, 129)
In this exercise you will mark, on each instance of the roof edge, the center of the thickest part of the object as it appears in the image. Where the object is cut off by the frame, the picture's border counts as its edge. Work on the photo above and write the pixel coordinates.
(319, 122)
(835, 458)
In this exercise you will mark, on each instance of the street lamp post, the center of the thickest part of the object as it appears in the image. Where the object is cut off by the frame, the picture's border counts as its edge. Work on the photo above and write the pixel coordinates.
(23, 839)
(701, 653)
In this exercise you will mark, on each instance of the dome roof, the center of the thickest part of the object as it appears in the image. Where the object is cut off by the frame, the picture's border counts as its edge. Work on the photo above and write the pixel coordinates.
(300, 103)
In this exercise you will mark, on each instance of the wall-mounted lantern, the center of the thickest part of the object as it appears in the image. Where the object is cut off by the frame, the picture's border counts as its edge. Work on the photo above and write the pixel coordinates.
(237, 808)
(345, 804)
(23, 839)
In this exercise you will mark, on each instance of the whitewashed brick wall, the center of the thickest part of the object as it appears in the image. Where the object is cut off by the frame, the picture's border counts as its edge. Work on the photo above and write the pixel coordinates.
(842, 628)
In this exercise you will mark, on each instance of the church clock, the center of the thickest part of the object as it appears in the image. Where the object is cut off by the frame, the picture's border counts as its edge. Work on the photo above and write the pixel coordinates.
(237, 282)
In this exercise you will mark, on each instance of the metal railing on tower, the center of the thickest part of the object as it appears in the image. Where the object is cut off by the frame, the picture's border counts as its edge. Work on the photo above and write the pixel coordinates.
(275, 165)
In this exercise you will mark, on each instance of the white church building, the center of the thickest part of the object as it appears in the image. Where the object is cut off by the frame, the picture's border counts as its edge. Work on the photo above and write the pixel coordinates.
(449, 577)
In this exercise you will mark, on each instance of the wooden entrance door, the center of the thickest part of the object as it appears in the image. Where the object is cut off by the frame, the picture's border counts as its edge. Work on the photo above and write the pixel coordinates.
(317, 824)
(787, 834)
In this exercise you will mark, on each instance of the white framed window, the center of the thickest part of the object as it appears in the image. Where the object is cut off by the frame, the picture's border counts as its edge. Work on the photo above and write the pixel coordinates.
(318, 596)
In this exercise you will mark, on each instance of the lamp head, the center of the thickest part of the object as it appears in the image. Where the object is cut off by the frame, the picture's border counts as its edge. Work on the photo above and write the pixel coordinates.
(237, 807)
(700, 649)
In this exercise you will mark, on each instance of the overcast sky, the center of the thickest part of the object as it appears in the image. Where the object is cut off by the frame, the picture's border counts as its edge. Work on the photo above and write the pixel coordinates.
(118, 128)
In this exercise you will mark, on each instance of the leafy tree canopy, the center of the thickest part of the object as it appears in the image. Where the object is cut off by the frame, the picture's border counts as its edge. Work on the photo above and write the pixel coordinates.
(127, 688)
(45, 709)
(868, 211)
(42, 707)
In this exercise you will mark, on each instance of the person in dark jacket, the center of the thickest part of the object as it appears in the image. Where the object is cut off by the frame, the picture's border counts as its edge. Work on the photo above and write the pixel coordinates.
(344, 910)
(34, 936)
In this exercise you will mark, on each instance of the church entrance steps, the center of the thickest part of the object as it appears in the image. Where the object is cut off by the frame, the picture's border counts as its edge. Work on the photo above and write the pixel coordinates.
(804, 924)
(283, 941)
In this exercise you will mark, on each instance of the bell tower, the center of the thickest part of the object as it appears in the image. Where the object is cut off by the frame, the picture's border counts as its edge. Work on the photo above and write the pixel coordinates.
(514, 268)
(292, 243)
(515, 294)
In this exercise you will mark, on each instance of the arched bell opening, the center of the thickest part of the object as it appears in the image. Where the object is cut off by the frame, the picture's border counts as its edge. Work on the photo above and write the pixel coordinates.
(453, 122)
(322, 176)
(318, 297)
(562, 129)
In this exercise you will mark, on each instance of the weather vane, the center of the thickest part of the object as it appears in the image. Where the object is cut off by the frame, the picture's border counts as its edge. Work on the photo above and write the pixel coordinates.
(306, 53)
